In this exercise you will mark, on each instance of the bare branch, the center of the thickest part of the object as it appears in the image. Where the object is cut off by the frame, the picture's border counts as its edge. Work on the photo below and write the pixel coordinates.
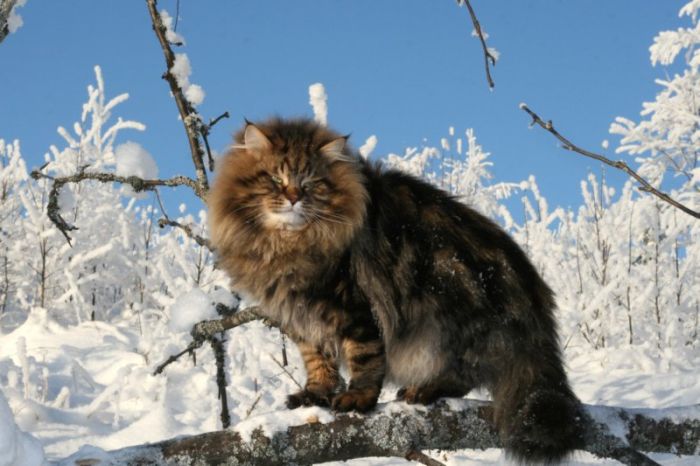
(217, 346)
(620, 165)
(289, 374)
(489, 59)
(196, 343)
(190, 118)
(204, 130)
(207, 328)
(204, 242)
(138, 184)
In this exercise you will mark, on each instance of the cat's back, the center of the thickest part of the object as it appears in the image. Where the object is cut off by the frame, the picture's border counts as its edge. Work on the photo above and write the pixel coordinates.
(430, 255)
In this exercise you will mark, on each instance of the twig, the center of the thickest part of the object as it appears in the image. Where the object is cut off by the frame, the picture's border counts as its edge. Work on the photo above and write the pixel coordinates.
(489, 59)
(196, 343)
(138, 184)
(289, 374)
(162, 222)
(620, 165)
(190, 118)
(422, 458)
(204, 131)
(218, 347)
(249, 411)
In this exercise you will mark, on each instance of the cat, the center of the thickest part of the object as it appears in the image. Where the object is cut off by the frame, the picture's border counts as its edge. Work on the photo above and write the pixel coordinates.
(395, 278)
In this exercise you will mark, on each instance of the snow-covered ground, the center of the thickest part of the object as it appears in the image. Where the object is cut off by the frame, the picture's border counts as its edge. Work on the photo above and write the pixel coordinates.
(91, 384)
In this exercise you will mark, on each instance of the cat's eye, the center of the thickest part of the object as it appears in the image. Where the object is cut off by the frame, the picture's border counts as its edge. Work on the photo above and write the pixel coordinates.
(276, 179)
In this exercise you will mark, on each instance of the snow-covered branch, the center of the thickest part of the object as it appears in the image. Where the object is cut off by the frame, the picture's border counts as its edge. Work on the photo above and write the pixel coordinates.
(186, 96)
(394, 430)
(9, 20)
(619, 164)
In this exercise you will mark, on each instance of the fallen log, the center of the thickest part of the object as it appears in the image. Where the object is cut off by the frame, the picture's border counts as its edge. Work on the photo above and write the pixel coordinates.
(394, 430)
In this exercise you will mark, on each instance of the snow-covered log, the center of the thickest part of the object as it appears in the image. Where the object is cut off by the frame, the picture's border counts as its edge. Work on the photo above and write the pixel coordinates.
(396, 431)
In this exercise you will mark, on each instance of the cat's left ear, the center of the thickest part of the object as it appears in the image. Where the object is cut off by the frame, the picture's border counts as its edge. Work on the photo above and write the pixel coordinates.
(334, 149)
(254, 139)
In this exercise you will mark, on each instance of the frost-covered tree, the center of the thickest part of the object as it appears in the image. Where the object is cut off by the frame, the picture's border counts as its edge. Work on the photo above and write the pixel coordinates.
(667, 139)
(13, 175)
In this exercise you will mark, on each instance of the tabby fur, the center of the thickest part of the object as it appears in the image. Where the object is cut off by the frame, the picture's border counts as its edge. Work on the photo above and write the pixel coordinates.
(393, 277)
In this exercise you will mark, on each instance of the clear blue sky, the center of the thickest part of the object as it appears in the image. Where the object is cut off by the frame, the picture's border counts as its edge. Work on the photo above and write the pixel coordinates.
(404, 71)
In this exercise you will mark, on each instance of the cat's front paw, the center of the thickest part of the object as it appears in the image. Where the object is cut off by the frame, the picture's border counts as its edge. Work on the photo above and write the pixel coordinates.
(308, 398)
(361, 400)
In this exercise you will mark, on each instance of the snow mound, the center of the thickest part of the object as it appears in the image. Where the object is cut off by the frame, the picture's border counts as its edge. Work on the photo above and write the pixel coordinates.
(17, 448)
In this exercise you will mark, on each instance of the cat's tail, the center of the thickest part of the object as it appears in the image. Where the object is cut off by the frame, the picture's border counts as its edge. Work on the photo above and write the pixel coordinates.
(539, 419)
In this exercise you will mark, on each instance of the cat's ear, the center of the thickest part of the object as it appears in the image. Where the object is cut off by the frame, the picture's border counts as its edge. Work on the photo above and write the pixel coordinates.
(334, 149)
(255, 140)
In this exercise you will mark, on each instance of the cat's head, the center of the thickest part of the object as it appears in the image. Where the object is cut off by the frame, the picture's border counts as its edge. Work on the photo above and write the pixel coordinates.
(289, 178)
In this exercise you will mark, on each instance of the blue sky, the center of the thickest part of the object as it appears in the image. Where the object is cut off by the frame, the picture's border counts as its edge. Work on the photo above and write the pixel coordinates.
(404, 71)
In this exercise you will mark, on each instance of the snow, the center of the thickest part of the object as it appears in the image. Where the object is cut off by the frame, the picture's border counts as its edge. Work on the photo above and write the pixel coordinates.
(117, 402)
(170, 34)
(15, 21)
(17, 448)
(319, 102)
(181, 70)
(76, 365)
(194, 94)
(190, 308)
(369, 145)
(133, 160)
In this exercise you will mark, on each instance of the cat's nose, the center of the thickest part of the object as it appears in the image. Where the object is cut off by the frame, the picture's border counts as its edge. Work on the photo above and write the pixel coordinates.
(292, 194)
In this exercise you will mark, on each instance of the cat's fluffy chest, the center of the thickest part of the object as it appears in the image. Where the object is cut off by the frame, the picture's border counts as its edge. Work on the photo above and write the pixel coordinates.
(282, 284)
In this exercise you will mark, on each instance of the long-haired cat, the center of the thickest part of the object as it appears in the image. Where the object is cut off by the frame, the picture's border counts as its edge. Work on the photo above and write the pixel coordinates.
(394, 277)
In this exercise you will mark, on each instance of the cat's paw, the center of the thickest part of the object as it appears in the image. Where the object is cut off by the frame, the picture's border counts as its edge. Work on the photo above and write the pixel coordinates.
(356, 400)
(308, 398)
(417, 395)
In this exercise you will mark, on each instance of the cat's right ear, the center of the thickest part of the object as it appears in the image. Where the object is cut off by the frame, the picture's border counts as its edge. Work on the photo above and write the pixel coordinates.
(255, 140)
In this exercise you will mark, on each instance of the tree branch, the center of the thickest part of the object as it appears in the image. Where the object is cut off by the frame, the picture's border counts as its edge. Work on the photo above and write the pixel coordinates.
(5, 10)
(190, 118)
(489, 59)
(204, 242)
(138, 184)
(620, 165)
(406, 433)
(204, 130)
(217, 345)
(390, 432)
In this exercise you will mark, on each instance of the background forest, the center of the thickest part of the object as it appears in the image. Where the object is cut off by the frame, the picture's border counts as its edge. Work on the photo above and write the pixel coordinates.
(83, 325)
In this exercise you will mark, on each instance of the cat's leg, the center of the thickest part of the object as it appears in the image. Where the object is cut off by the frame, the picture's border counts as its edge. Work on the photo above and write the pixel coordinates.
(367, 364)
(321, 378)
(447, 385)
